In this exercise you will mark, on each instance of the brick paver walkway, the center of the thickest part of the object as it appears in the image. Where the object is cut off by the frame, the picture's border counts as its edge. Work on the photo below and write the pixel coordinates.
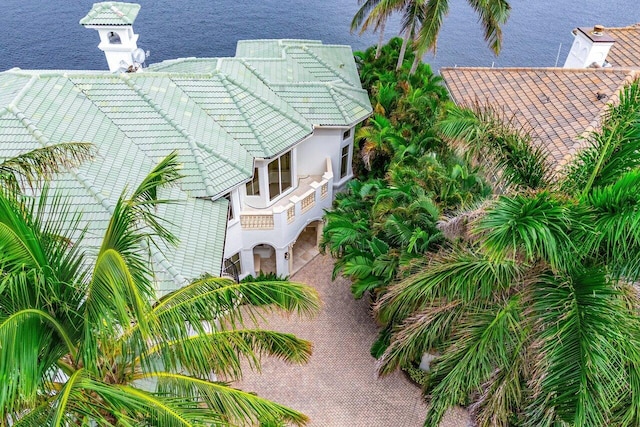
(339, 386)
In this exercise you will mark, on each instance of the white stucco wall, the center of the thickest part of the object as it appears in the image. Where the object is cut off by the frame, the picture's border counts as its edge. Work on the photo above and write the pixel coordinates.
(585, 52)
(309, 158)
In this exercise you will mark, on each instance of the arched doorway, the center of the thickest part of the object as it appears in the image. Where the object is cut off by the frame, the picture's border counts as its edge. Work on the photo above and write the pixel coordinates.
(306, 246)
(264, 259)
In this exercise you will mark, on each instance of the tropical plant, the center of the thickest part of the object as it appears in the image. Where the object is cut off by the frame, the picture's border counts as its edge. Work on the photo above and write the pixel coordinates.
(374, 13)
(492, 15)
(421, 22)
(85, 341)
(31, 168)
(407, 178)
(376, 138)
(530, 308)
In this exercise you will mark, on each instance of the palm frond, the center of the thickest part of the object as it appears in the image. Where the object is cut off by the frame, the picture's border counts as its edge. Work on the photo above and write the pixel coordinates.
(92, 401)
(422, 332)
(493, 13)
(222, 352)
(535, 227)
(580, 374)
(434, 13)
(461, 274)
(616, 219)
(505, 149)
(613, 150)
(29, 336)
(486, 339)
(211, 300)
(233, 405)
(40, 164)
(19, 244)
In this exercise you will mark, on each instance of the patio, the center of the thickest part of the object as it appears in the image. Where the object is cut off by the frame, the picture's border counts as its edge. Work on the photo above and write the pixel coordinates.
(339, 386)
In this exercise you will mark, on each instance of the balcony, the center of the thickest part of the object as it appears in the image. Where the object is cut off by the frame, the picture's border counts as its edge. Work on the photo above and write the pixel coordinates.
(312, 195)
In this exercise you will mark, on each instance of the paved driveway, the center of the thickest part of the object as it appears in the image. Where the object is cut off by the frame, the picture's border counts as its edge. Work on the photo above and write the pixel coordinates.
(339, 386)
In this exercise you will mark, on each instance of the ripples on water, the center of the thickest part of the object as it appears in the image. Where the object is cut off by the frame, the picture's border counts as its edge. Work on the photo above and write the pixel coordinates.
(46, 33)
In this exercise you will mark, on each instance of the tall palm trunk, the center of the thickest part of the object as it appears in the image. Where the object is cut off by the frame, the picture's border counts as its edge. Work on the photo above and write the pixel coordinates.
(416, 61)
(403, 49)
(381, 38)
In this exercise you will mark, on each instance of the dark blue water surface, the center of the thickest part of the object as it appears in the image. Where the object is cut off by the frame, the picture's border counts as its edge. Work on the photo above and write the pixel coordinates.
(46, 33)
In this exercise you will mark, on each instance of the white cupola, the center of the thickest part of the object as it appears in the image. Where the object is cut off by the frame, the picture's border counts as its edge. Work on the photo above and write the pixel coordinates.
(114, 22)
(590, 48)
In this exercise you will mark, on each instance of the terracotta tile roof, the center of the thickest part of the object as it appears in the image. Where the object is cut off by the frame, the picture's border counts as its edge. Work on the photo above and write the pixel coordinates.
(556, 104)
(625, 52)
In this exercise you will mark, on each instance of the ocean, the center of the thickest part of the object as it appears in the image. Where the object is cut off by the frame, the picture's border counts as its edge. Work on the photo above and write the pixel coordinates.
(46, 34)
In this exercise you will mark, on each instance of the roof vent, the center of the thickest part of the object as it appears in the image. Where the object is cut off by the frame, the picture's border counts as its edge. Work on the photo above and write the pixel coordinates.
(598, 30)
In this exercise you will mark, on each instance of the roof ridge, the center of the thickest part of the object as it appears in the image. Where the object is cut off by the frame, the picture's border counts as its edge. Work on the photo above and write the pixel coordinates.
(635, 26)
(22, 91)
(558, 69)
(303, 124)
(259, 75)
(323, 62)
(106, 203)
(342, 90)
(28, 124)
(44, 141)
(204, 175)
(613, 100)
(333, 92)
(225, 82)
(111, 6)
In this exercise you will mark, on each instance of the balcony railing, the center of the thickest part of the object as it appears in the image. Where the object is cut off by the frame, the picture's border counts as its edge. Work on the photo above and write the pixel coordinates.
(293, 208)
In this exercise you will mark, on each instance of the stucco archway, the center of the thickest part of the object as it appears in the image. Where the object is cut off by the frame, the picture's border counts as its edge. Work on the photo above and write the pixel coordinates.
(264, 259)
(306, 246)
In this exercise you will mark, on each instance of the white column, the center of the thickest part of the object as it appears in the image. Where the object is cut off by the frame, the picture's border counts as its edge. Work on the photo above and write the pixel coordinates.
(282, 263)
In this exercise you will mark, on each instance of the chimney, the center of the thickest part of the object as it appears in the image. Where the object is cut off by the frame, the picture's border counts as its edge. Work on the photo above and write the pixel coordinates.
(114, 23)
(590, 48)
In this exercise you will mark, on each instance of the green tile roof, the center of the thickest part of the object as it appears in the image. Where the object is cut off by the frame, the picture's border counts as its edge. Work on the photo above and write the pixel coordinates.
(132, 130)
(320, 82)
(257, 118)
(93, 189)
(111, 13)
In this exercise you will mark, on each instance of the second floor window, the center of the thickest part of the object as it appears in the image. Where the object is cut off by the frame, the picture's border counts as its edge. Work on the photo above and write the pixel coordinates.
(253, 186)
(344, 161)
(279, 175)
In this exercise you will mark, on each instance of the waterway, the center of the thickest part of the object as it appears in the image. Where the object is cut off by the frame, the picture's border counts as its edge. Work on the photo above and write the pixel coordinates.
(46, 33)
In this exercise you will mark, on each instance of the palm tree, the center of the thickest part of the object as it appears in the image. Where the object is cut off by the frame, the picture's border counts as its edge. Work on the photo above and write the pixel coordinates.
(374, 13)
(422, 20)
(375, 139)
(530, 309)
(492, 14)
(414, 14)
(86, 342)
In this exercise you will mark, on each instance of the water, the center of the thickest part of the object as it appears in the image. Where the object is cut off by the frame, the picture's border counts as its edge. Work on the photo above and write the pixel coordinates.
(46, 33)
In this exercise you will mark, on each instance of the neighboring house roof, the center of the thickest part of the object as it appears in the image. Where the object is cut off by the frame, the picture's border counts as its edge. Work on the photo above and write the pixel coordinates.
(557, 105)
(319, 81)
(218, 114)
(111, 13)
(625, 52)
